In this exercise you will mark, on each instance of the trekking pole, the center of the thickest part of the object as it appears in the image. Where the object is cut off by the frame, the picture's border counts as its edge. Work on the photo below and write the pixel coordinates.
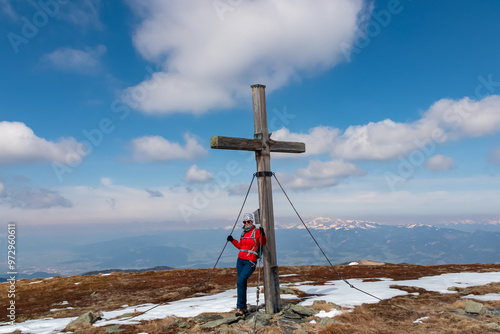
(258, 289)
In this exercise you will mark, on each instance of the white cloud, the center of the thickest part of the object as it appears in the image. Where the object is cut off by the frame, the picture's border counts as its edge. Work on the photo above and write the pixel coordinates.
(82, 61)
(446, 120)
(185, 206)
(156, 148)
(35, 198)
(194, 174)
(319, 140)
(495, 157)
(1, 189)
(439, 162)
(20, 145)
(466, 118)
(320, 174)
(210, 63)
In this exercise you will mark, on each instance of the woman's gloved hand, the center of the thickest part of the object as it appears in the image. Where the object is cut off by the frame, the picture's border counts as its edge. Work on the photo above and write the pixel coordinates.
(230, 238)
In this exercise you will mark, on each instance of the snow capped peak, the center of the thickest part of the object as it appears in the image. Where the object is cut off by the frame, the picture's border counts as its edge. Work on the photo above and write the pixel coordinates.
(325, 223)
(417, 225)
(411, 226)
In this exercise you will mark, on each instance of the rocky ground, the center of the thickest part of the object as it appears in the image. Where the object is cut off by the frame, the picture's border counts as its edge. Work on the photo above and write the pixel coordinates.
(443, 313)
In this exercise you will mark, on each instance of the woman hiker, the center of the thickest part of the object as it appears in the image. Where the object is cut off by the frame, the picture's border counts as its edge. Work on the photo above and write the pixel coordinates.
(249, 246)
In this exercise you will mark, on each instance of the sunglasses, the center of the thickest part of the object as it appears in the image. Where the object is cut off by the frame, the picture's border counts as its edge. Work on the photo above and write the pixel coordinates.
(247, 221)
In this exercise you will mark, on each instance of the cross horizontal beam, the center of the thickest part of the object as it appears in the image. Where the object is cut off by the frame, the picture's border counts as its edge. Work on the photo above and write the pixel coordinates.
(232, 143)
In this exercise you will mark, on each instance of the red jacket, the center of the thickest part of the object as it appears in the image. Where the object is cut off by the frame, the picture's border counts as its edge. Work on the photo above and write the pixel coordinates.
(247, 243)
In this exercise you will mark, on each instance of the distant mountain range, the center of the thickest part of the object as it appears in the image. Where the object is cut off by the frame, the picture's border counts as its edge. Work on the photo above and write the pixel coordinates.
(322, 223)
(42, 274)
(343, 241)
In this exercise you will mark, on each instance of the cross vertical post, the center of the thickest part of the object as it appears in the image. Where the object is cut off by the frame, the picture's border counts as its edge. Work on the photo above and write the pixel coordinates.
(263, 145)
(263, 159)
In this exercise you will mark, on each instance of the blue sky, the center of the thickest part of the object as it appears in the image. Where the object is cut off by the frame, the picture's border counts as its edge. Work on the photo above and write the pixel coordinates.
(108, 107)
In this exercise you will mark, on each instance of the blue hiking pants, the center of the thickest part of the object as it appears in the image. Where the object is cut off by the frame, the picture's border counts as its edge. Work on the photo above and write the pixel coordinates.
(245, 269)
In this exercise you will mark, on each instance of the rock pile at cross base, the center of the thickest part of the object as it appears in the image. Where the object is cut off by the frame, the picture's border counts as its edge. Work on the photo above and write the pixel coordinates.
(290, 319)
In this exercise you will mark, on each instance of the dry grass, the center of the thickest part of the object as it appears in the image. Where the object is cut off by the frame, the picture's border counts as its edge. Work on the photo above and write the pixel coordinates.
(35, 300)
(483, 289)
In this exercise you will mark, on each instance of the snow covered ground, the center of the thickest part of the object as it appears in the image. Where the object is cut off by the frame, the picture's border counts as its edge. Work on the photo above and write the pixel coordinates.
(337, 292)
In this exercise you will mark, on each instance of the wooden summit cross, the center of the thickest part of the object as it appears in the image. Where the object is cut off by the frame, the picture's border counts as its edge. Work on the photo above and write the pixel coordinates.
(263, 146)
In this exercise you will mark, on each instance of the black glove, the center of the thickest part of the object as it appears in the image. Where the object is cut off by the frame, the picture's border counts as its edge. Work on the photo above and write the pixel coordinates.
(230, 238)
(262, 232)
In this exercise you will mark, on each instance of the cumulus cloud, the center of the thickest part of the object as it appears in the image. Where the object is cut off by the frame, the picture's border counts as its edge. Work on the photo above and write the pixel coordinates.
(35, 198)
(466, 117)
(20, 145)
(156, 148)
(319, 139)
(74, 60)
(320, 174)
(446, 120)
(209, 61)
(194, 174)
(439, 162)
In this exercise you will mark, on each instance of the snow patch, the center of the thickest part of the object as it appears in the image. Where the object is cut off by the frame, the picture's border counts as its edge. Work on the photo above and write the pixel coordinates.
(420, 320)
(486, 297)
(331, 314)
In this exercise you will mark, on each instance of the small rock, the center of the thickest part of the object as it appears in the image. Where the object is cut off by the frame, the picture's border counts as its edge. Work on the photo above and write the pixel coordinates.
(263, 319)
(113, 329)
(289, 314)
(86, 318)
(302, 310)
(452, 288)
(224, 272)
(493, 325)
(94, 294)
(288, 326)
(218, 322)
(494, 311)
(474, 307)
(176, 323)
(206, 317)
